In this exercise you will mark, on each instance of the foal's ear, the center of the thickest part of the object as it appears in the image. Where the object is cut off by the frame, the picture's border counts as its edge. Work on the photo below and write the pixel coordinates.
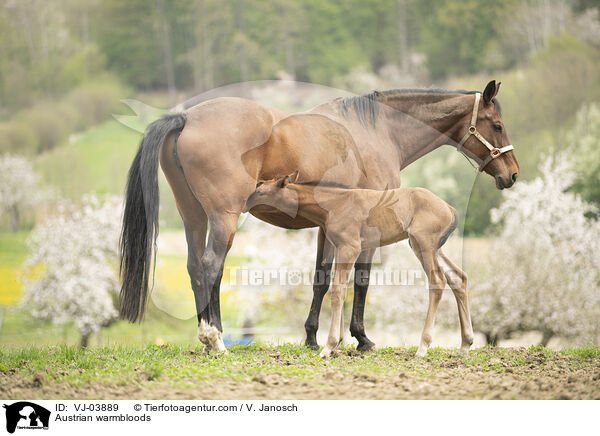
(294, 176)
(290, 178)
(490, 91)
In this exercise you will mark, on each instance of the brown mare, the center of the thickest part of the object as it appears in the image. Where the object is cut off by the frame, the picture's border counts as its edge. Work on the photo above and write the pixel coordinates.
(354, 220)
(214, 153)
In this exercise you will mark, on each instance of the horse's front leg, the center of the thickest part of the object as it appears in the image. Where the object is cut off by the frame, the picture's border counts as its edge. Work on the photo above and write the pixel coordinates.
(362, 271)
(344, 260)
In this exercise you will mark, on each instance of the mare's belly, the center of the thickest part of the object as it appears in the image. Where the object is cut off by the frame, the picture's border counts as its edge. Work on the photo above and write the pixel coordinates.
(277, 218)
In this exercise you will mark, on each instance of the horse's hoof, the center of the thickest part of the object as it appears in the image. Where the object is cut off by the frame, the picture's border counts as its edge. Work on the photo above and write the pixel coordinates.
(312, 345)
(365, 346)
(421, 352)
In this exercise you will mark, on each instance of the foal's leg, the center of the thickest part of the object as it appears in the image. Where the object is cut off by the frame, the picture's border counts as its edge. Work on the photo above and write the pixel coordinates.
(457, 279)
(362, 271)
(344, 260)
(426, 252)
(320, 286)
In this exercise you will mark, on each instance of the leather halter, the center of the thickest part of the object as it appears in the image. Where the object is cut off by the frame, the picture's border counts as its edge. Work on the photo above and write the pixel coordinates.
(472, 131)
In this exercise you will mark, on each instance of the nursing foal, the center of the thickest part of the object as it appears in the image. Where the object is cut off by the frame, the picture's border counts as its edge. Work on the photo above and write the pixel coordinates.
(354, 220)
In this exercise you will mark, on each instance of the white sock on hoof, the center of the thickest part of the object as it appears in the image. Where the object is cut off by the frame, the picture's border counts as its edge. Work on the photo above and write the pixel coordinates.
(421, 352)
(325, 353)
(211, 337)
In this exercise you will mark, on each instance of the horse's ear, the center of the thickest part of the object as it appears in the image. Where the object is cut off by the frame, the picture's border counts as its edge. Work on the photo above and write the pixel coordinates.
(490, 91)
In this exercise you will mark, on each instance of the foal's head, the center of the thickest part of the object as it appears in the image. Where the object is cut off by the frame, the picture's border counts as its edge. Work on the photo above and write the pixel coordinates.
(272, 193)
(503, 166)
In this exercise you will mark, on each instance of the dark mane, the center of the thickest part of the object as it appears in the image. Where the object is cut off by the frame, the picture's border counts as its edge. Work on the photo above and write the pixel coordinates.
(366, 106)
(327, 183)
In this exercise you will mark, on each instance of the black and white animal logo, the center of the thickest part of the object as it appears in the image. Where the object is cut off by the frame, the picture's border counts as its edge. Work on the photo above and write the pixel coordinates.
(26, 415)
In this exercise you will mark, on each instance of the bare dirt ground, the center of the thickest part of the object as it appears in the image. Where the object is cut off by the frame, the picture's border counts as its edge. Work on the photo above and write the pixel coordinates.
(284, 373)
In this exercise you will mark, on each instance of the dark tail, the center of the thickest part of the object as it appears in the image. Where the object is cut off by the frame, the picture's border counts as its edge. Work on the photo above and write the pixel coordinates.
(140, 219)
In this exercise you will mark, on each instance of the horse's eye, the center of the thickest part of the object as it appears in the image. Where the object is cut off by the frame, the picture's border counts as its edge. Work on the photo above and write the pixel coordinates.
(259, 183)
(497, 127)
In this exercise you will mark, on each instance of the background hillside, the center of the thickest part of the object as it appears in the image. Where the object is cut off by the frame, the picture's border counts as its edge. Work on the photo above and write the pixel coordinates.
(66, 64)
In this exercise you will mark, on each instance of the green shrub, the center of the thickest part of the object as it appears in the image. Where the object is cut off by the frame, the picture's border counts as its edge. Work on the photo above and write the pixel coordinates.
(94, 102)
(47, 123)
(18, 138)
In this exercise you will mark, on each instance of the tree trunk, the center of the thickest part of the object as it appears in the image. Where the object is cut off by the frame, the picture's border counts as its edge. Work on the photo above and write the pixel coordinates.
(288, 44)
(242, 49)
(207, 54)
(15, 218)
(546, 338)
(85, 338)
(403, 37)
(167, 53)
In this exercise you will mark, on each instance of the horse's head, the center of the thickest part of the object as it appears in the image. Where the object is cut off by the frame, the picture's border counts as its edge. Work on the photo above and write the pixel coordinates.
(484, 139)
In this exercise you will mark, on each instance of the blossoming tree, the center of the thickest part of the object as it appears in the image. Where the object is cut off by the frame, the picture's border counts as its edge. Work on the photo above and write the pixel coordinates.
(18, 183)
(71, 274)
(544, 271)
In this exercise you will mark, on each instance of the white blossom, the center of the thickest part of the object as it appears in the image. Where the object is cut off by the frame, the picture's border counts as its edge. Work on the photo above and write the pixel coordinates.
(18, 183)
(71, 274)
(543, 271)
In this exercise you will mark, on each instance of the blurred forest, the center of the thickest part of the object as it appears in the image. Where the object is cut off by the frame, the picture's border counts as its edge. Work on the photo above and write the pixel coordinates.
(65, 65)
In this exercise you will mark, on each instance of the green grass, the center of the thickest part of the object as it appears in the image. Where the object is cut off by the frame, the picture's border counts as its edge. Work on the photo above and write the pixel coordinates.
(98, 159)
(589, 352)
(179, 363)
(13, 251)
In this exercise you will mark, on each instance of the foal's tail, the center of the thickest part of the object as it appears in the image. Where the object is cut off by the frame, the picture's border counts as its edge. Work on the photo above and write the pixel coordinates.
(453, 225)
(140, 219)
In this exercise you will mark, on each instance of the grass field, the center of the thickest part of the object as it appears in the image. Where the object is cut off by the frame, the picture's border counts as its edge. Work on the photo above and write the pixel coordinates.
(12, 253)
(97, 159)
(294, 372)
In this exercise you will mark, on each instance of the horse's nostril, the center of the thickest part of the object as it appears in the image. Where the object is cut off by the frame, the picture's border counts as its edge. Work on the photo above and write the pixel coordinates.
(514, 177)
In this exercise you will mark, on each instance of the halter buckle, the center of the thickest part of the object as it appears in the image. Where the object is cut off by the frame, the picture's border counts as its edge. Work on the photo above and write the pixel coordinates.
(495, 153)
(472, 129)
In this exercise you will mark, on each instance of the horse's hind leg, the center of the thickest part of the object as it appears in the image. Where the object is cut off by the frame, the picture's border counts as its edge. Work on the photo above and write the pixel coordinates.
(426, 252)
(457, 280)
(362, 271)
(220, 238)
(320, 286)
(195, 223)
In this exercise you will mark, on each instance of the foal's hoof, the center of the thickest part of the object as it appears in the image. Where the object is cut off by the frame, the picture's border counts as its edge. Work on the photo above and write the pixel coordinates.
(325, 353)
(421, 352)
(365, 346)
